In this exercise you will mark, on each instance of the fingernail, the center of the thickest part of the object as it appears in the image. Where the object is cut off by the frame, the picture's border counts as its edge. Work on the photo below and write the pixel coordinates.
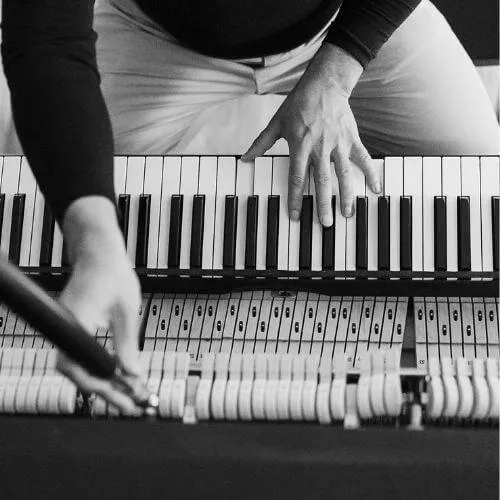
(295, 214)
(326, 220)
(347, 211)
(377, 187)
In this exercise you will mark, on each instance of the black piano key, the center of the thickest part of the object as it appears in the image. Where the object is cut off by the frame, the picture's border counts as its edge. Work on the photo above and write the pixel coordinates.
(124, 209)
(384, 233)
(328, 250)
(230, 222)
(464, 257)
(47, 241)
(141, 252)
(197, 227)
(16, 228)
(64, 255)
(306, 221)
(440, 241)
(273, 224)
(495, 219)
(405, 232)
(174, 237)
(362, 233)
(251, 236)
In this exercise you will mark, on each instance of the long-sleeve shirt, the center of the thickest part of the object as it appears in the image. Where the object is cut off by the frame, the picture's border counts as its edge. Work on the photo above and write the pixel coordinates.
(49, 58)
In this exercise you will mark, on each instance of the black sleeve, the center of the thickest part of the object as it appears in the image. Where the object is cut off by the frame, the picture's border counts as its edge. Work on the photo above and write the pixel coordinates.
(363, 26)
(48, 52)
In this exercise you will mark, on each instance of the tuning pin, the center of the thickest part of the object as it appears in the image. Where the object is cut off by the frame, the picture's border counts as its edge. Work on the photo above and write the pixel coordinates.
(465, 390)
(377, 384)
(204, 390)
(284, 386)
(246, 385)
(337, 393)
(323, 393)
(363, 389)
(219, 386)
(494, 387)
(297, 386)
(481, 390)
(393, 394)
(435, 390)
(450, 387)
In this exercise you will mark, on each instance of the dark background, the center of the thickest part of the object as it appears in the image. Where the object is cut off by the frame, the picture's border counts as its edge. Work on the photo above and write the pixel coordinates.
(476, 24)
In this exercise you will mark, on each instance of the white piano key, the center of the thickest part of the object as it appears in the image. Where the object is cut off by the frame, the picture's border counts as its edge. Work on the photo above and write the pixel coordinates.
(412, 186)
(490, 186)
(293, 244)
(226, 184)
(340, 229)
(244, 189)
(27, 186)
(452, 188)
(262, 188)
(152, 186)
(373, 220)
(170, 186)
(431, 186)
(317, 229)
(358, 180)
(57, 246)
(393, 187)
(120, 176)
(280, 188)
(36, 239)
(471, 187)
(10, 184)
(208, 187)
(189, 187)
(134, 187)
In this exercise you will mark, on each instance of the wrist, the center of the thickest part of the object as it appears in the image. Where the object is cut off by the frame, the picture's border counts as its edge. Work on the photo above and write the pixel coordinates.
(91, 230)
(340, 70)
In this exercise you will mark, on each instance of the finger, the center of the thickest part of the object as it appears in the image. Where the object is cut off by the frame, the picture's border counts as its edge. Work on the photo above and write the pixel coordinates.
(344, 175)
(83, 308)
(361, 157)
(263, 142)
(89, 383)
(296, 181)
(323, 183)
(124, 323)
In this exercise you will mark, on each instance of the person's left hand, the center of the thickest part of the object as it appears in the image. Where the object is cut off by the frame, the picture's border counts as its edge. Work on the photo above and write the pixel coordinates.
(317, 122)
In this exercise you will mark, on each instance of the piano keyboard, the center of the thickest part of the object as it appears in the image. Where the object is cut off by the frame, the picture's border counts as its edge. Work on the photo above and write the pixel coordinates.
(190, 215)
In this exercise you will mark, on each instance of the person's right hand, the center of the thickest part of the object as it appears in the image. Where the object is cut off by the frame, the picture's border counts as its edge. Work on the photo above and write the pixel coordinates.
(102, 292)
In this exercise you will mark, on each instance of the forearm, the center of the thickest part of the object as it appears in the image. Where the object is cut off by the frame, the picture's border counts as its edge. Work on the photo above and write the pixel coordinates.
(363, 26)
(334, 68)
(91, 229)
(58, 108)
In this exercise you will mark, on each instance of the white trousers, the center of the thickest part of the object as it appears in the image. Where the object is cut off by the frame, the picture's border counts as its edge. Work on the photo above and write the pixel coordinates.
(421, 95)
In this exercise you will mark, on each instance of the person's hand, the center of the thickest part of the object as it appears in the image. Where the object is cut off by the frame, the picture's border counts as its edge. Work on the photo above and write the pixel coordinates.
(103, 291)
(317, 122)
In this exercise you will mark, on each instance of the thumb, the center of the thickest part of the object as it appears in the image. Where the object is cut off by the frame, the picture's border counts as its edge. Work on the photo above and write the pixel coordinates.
(124, 323)
(263, 142)
(85, 310)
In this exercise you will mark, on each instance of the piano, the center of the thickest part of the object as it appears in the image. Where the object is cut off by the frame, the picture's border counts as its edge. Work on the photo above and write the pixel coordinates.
(385, 325)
